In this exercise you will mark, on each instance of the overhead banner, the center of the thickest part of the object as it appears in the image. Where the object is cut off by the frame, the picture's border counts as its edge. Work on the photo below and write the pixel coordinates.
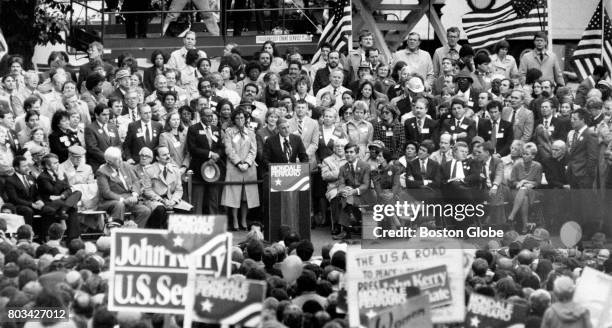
(414, 312)
(378, 279)
(488, 312)
(224, 301)
(149, 267)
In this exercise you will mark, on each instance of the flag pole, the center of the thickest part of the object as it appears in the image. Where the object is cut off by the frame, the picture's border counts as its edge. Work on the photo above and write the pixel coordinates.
(548, 13)
(603, 32)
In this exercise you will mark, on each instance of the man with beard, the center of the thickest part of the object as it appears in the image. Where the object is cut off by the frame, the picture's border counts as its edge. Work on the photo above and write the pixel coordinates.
(322, 76)
(265, 61)
(249, 96)
(205, 88)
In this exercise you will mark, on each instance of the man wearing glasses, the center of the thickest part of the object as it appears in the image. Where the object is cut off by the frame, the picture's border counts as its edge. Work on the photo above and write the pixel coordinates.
(452, 36)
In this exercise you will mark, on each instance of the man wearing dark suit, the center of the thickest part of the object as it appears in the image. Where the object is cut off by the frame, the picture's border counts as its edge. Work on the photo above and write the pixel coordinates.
(582, 164)
(204, 144)
(99, 135)
(595, 108)
(465, 90)
(421, 127)
(548, 129)
(119, 189)
(483, 127)
(284, 147)
(21, 191)
(55, 192)
(492, 175)
(123, 79)
(501, 131)
(322, 75)
(142, 133)
(546, 95)
(521, 118)
(423, 174)
(556, 198)
(353, 182)
(459, 127)
(94, 52)
(599, 72)
(7, 123)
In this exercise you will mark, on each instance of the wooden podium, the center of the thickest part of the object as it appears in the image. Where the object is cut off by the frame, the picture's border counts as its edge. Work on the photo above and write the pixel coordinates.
(288, 200)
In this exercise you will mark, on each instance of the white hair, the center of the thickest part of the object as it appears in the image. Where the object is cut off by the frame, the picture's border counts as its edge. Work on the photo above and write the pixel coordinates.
(112, 153)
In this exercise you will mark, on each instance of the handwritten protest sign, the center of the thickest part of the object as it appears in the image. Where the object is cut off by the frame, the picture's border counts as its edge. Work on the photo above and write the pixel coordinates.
(149, 267)
(414, 312)
(594, 291)
(487, 312)
(228, 301)
(372, 273)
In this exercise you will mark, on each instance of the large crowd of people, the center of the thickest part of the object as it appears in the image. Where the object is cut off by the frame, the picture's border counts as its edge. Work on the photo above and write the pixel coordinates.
(458, 126)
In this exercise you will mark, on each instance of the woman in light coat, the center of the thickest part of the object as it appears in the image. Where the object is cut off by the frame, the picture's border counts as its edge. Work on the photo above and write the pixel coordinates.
(174, 137)
(241, 149)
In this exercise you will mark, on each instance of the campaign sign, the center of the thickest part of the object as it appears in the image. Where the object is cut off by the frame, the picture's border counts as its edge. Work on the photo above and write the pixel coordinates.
(187, 232)
(228, 301)
(378, 279)
(487, 312)
(414, 312)
(289, 199)
(594, 291)
(149, 276)
(432, 282)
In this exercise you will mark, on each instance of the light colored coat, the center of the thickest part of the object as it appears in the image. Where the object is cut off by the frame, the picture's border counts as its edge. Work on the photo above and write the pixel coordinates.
(240, 148)
(309, 136)
(177, 148)
(158, 188)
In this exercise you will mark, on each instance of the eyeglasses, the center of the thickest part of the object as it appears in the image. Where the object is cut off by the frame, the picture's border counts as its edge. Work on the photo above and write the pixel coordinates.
(348, 113)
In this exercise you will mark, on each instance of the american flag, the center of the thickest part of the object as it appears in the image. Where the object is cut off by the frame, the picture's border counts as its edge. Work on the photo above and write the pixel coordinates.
(338, 31)
(515, 19)
(589, 51)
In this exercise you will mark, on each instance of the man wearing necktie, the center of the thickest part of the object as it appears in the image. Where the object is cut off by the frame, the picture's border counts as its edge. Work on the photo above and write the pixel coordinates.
(501, 130)
(205, 144)
(99, 135)
(542, 59)
(80, 176)
(493, 187)
(422, 175)
(459, 127)
(522, 119)
(142, 133)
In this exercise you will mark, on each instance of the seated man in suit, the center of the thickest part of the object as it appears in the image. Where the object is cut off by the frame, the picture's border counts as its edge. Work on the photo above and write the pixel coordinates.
(494, 189)
(422, 175)
(56, 193)
(284, 147)
(80, 176)
(353, 182)
(142, 133)
(118, 189)
(501, 131)
(162, 188)
(459, 127)
(99, 135)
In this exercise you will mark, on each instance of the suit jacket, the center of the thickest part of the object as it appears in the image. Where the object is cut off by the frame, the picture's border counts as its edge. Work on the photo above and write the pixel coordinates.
(200, 147)
(471, 170)
(483, 127)
(18, 194)
(473, 101)
(583, 89)
(310, 136)
(557, 130)
(325, 150)
(322, 79)
(49, 185)
(273, 151)
(110, 186)
(467, 125)
(430, 130)
(96, 142)
(582, 156)
(523, 123)
(555, 172)
(432, 173)
(14, 145)
(157, 188)
(177, 148)
(361, 180)
(496, 171)
(503, 139)
(135, 139)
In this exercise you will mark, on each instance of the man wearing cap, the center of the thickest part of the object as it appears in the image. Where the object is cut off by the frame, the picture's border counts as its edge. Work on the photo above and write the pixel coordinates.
(80, 176)
(123, 79)
(99, 135)
(465, 90)
(163, 188)
(542, 59)
(459, 127)
(119, 189)
(452, 36)
(413, 86)
(520, 117)
(375, 147)
(322, 76)
(418, 61)
(335, 88)
(142, 133)
(204, 144)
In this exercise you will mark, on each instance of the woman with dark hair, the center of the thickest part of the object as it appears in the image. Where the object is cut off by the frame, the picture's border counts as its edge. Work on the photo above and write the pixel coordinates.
(385, 179)
(225, 109)
(302, 90)
(31, 121)
(62, 137)
(346, 114)
(189, 78)
(241, 149)
(383, 81)
(127, 61)
(159, 59)
(502, 63)
(389, 130)
(169, 101)
(203, 67)
(348, 98)
(371, 97)
(174, 138)
(278, 64)
(396, 75)
(229, 78)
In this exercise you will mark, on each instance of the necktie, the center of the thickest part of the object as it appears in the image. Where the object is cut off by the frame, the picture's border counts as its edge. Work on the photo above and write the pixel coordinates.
(574, 139)
(26, 183)
(15, 103)
(546, 125)
(165, 173)
(335, 92)
(494, 133)
(420, 125)
(351, 165)
(513, 116)
(423, 167)
(208, 133)
(454, 170)
(457, 123)
(147, 134)
(443, 158)
(287, 147)
(541, 56)
(300, 127)
(133, 112)
(123, 180)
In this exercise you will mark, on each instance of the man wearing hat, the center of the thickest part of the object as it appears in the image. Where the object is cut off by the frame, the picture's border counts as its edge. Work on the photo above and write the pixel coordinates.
(413, 87)
(418, 60)
(375, 147)
(123, 80)
(80, 175)
(99, 135)
(459, 127)
(465, 90)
